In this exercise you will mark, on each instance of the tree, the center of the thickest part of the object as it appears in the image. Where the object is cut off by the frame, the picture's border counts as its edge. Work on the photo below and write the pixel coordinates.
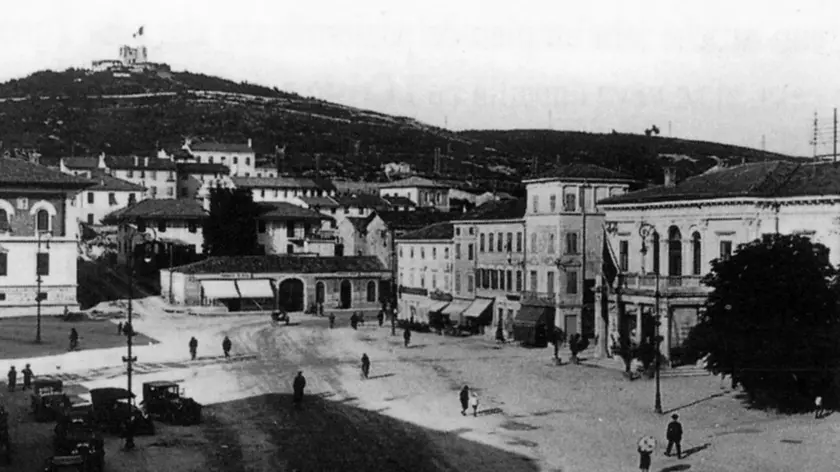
(231, 227)
(771, 321)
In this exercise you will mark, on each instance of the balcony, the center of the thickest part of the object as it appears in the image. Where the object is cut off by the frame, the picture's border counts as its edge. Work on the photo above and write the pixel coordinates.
(669, 285)
(538, 298)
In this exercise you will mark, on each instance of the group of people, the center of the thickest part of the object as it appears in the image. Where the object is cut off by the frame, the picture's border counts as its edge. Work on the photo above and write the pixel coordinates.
(468, 400)
(27, 378)
(226, 346)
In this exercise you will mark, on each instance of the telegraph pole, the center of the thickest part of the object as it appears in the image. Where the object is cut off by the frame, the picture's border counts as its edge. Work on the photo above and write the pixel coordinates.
(835, 136)
(816, 132)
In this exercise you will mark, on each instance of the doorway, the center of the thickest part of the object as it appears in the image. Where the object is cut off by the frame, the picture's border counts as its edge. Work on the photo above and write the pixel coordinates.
(570, 325)
(290, 294)
(346, 294)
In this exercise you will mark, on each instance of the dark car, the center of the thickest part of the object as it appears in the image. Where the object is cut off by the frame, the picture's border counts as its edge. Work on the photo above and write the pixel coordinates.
(76, 428)
(48, 399)
(113, 411)
(162, 400)
(83, 442)
(74, 463)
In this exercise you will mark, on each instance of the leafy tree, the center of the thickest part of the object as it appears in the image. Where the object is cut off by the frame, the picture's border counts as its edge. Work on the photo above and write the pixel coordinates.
(771, 320)
(231, 227)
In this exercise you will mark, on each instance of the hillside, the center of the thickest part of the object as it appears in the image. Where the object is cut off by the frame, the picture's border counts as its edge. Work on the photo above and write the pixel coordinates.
(81, 113)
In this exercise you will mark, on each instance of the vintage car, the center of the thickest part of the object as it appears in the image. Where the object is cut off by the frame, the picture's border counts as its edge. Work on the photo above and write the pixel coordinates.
(112, 410)
(83, 442)
(162, 400)
(48, 399)
(73, 463)
(74, 427)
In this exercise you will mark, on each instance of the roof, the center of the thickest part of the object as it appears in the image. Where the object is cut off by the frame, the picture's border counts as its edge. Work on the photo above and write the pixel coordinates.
(20, 173)
(277, 182)
(766, 179)
(142, 162)
(411, 220)
(513, 209)
(202, 168)
(210, 146)
(284, 211)
(582, 172)
(362, 200)
(322, 202)
(284, 264)
(345, 186)
(109, 183)
(399, 201)
(173, 209)
(81, 162)
(440, 231)
(413, 182)
(360, 223)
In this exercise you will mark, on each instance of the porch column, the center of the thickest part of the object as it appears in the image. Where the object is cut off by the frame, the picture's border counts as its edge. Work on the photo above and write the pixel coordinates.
(637, 338)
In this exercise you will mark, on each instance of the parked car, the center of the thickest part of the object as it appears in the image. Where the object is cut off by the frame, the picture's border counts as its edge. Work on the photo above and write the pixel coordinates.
(48, 399)
(112, 410)
(162, 400)
(75, 434)
(74, 463)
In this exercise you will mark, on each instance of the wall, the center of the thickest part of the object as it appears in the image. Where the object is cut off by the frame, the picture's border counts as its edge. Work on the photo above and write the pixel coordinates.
(241, 164)
(425, 264)
(22, 212)
(290, 195)
(102, 204)
(175, 229)
(275, 239)
(463, 268)
(354, 243)
(160, 184)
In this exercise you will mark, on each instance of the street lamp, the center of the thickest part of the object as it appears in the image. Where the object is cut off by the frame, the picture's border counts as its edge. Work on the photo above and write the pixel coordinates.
(38, 272)
(129, 335)
(658, 339)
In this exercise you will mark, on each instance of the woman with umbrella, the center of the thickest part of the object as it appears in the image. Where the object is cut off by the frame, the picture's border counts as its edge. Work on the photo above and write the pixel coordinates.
(646, 446)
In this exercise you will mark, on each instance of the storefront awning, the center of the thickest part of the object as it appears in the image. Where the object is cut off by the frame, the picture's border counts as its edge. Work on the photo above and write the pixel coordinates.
(532, 315)
(456, 308)
(255, 288)
(219, 289)
(478, 307)
(437, 306)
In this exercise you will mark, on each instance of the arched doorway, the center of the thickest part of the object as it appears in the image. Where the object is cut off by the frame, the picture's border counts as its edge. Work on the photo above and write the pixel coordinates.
(346, 294)
(290, 294)
(319, 292)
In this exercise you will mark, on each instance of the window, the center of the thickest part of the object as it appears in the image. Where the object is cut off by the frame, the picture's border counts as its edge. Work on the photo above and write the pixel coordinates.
(434, 281)
(290, 229)
(42, 221)
(434, 253)
(623, 255)
(490, 242)
(470, 284)
(457, 231)
(422, 280)
(261, 226)
(656, 252)
(549, 282)
(112, 199)
(674, 252)
(535, 204)
(422, 253)
(290, 249)
(210, 159)
(533, 278)
(171, 176)
(192, 227)
(153, 190)
(4, 264)
(262, 193)
(472, 231)
(457, 251)
(470, 254)
(130, 174)
(43, 264)
(170, 191)
(571, 282)
(725, 249)
(481, 247)
(518, 280)
(142, 174)
(696, 254)
(552, 203)
(152, 174)
(371, 291)
(235, 160)
(141, 226)
(411, 252)
(519, 242)
(91, 197)
(569, 202)
(499, 242)
(571, 243)
(247, 161)
(458, 282)
(446, 253)
(401, 251)
(509, 243)
(533, 242)
(162, 226)
(4, 220)
(132, 198)
(90, 218)
(551, 243)
(501, 279)
(494, 280)
(509, 281)
(482, 278)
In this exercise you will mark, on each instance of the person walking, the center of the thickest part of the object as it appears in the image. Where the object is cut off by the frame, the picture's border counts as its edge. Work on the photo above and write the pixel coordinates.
(193, 347)
(332, 320)
(353, 320)
(644, 459)
(365, 365)
(12, 379)
(381, 317)
(464, 396)
(474, 403)
(119, 328)
(407, 336)
(226, 346)
(298, 385)
(674, 435)
(27, 377)
(819, 412)
(74, 339)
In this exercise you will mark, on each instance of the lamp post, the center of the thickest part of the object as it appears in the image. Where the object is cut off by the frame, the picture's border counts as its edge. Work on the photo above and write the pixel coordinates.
(658, 401)
(38, 281)
(129, 359)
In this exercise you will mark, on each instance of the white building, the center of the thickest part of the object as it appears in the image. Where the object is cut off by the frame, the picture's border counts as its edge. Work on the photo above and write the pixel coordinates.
(425, 271)
(284, 228)
(155, 174)
(424, 193)
(107, 195)
(239, 158)
(284, 189)
(195, 178)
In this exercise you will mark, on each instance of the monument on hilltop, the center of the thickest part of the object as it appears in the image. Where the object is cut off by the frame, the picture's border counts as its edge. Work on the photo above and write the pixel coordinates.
(132, 59)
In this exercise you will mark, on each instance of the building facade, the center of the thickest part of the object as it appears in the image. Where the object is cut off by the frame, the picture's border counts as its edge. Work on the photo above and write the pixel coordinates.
(424, 193)
(195, 178)
(425, 271)
(106, 195)
(284, 228)
(284, 189)
(240, 159)
(154, 174)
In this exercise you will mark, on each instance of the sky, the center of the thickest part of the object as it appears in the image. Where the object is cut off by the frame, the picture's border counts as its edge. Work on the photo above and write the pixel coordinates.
(745, 72)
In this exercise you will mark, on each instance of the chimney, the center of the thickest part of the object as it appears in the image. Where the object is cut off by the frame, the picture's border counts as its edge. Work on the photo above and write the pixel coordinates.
(145, 162)
(102, 164)
(670, 176)
(249, 143)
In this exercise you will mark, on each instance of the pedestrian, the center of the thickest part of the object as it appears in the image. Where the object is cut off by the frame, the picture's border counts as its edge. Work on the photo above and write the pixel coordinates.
(226, 346)
(12, 379)
(332, 320)
(644, 459)
(74, 339)
(464, 396)
(381, 317)
(361, 318)
(193, 347)
(353, 320)
(407, 336)
(298, 385)
(365, 365)
(119, 328)
(674, 436)
(474, 403)
(819, 412)
(321, 308)
(27, 377)
(393, 322)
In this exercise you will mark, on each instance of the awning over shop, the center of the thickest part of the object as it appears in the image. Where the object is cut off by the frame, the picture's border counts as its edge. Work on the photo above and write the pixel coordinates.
(219, 289)
(255, 288)
(437, 306)
(479, 309)
(456, 308)
(532, 315)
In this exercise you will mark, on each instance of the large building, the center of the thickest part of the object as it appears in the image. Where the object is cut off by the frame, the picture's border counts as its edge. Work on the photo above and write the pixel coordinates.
(284, 189)
(38, 238)
(284, 228)
(664, 238)
(107, 195)
(155, 174)
(422, 192)
(195, 179)
(425, 271)
(240, 159)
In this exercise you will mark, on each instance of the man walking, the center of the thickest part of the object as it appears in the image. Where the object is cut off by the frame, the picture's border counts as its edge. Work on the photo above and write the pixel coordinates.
(674, 436)
(819, 412)
(365, 365)
(332, 320)
(381, 317)
(27, 377)
(407, 336)
(464, 396)
(298, 385)
(226, 346)
(119, 328)
(12, 379)
(74, 338)
(193, 347)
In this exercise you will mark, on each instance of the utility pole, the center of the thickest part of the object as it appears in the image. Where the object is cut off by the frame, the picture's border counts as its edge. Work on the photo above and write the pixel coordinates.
(816, 132)
(835, 136)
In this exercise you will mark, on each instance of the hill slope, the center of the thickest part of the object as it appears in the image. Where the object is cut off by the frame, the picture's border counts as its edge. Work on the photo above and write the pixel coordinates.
(79, 112)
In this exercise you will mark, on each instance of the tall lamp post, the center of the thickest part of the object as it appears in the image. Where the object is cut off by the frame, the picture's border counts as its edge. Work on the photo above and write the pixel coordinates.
(39, 269)
(658, 339)
(129, 335)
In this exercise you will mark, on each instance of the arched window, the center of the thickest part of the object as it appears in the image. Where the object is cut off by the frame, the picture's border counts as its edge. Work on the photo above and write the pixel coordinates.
(674, 251)
(696, 254)
(320, 292)
(42, 221)
(4, 220)
(655, 248)
(371, 291)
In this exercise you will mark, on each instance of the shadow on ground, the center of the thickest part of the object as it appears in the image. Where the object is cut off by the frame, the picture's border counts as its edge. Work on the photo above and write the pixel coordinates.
(324, 435)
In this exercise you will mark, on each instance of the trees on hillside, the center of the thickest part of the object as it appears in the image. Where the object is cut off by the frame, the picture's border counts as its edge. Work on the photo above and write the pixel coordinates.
(231, 228)
(771, 321)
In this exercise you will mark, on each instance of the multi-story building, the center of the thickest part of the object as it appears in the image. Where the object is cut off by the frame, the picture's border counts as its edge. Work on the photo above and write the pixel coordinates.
(106, 195)
(464, 247)
(194, 177)
(424, 193)
(284, 228)
(425, 271)
(664, 238)
(564, 238)
(284, 189)
(155, 174)
(240, 159)
(358, 206)
(38, 238)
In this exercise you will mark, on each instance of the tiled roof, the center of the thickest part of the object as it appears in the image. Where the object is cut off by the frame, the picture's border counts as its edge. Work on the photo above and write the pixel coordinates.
(497, 210)
(437, 231)
(413, 182)
(760, 179)
(399, 201)
(321, 202)
(582, 172)
(284, 211)
(362, 200)
(20, 173)
(171, 209)
(284, 264)
(411, 220)
(210, 146)
(276, 182)
(81, 162)
(202, 168)
(109, 183)
(142, 163)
